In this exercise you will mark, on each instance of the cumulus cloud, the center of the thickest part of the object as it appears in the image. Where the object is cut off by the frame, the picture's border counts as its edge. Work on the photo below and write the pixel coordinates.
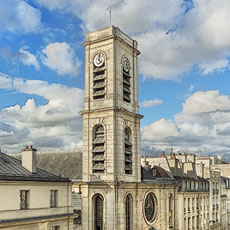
(61, 58)
(22, 55)
(150, 103)
(174, 35)
(203, 127)
(17, 15)
(53, 125)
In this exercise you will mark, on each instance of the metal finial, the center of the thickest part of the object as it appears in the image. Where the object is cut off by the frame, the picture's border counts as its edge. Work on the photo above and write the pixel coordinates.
(110, 17)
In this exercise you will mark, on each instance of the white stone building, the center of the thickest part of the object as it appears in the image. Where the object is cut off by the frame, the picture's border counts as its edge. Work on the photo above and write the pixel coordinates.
(192, 201)
(117, 194)
(31, 198)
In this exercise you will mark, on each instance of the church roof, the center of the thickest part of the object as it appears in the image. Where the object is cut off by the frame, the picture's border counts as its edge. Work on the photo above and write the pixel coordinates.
(11, 169)
(154, 173)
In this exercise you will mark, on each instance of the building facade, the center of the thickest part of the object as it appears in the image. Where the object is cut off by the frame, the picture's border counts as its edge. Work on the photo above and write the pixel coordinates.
(117, 194)
(31, 198)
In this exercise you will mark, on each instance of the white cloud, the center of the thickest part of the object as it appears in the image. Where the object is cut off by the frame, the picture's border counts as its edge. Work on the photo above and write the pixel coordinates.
(17, 16)
(203, 103)
(203, 127)
(150, 103)
(220, 66)
(61, 58)
(22, 55)
(5, 81)
(159, 130)
(173, 35)
(29, 59)
(56, 124)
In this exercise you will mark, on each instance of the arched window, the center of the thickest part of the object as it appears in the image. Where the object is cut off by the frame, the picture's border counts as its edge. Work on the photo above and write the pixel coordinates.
(128, 212)
(98, 149)
(98, 212)
(126, 80)
(128, 152)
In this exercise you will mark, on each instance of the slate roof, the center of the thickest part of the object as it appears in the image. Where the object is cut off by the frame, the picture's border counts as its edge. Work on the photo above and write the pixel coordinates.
(64, 163)
(11, 169)
(147, 174)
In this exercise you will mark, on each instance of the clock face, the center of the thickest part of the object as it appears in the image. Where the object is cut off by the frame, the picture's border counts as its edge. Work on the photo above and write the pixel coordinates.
(126, 65)
(99, 60)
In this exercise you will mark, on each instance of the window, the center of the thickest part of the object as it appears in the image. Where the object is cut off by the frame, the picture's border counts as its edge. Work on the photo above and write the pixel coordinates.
(24, 199)
(98, 212)
(128, 152)
(193, 204)
(128, 212)
(189, 224)
(55, 227)
(98, 149)
(99, 77)
(170, 202)
(53, 198)
(189, 204)
(150, 207)
(126, 80)
(184, 204)
(170, 222)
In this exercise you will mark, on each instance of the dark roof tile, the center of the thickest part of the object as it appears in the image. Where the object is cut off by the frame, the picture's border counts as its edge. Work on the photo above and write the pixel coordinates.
(11, 169)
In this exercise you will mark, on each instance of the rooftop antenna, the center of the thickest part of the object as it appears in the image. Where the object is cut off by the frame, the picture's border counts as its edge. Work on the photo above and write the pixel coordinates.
(110, 17)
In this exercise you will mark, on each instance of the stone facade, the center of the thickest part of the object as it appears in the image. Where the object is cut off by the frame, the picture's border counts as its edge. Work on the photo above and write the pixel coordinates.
(115, 195)
(203, 194)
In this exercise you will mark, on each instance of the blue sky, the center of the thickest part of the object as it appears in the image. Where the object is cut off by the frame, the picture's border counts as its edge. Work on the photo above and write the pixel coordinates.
(183, 71)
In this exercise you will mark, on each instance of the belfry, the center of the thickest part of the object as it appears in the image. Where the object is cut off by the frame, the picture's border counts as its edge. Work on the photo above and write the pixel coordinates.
(114, 195)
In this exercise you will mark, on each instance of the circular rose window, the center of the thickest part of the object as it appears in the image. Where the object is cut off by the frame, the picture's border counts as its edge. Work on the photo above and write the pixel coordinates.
(150, 207)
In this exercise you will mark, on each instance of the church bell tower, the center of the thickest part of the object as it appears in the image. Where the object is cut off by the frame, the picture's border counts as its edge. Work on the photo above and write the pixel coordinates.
(111, 124)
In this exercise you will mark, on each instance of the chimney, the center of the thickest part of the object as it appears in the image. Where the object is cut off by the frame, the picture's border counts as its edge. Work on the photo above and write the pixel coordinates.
(29, 158)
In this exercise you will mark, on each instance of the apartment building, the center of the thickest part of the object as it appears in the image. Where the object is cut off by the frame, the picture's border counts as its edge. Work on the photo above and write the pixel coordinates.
(32, 198)
(204, 189)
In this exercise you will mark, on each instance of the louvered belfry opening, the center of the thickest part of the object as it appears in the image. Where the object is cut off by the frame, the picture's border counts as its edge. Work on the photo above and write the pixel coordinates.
(128, 152)
(99, 150)
(99, 82)
(126, 86)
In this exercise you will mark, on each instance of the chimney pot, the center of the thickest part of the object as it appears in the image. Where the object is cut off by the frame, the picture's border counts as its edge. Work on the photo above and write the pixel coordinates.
(29, 159)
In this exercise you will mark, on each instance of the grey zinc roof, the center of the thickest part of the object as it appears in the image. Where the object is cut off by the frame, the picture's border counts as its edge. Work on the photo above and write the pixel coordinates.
(11, 169)
(64, 163)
